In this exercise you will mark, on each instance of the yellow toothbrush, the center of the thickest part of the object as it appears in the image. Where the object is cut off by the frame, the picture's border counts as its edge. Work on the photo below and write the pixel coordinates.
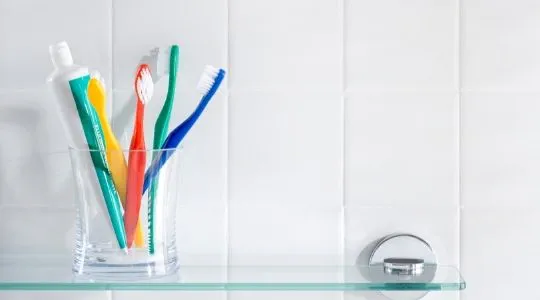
(115, 156)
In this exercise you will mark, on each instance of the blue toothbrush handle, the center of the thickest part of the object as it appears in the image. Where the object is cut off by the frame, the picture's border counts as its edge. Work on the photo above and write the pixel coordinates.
(154, 168)
(177, 135)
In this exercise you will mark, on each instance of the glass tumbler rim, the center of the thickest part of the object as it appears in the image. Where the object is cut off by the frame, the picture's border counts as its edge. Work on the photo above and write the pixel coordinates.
(86, 150)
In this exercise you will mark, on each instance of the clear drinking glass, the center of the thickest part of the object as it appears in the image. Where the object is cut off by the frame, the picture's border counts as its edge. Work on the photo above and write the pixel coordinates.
(97, 254)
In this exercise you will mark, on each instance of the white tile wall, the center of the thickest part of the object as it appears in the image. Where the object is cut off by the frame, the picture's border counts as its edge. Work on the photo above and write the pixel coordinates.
(340, 121)
(501, 149)
(285, 45)
(447, 295)
(55, 295)
(28, 27)
(400, 45)
(500, 235)
(285, 148)
(282, 235)
(287, 295)
(138, 295)
(403, 140)
(500, 45)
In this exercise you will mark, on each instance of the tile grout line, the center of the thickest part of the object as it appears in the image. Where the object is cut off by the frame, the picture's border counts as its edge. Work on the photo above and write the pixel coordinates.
(227, 149)
(343, 46)
(343, 136)
(110, 294)
(111, 66)
(459, 124)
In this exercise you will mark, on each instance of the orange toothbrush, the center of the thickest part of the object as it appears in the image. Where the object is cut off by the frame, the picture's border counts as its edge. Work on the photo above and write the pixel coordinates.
(115, 156)
(144, 88)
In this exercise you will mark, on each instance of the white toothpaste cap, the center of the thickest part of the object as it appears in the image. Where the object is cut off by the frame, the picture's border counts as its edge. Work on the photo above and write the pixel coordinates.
(60, 54)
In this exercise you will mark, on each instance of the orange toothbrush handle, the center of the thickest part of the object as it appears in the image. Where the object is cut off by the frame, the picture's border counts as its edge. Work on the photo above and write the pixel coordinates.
(136, 165)
(135, 179)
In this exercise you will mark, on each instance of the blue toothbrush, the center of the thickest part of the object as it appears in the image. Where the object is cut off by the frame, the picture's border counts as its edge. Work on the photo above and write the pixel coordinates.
(208, 84)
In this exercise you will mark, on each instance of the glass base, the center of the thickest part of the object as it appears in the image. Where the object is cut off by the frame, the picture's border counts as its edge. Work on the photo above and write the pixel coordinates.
(109, 264)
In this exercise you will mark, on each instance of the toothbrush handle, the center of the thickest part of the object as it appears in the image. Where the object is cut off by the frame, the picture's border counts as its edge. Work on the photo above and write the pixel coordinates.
(178, 134)
(158, 162)
(136, 164)
(169, 146)
(160, 134)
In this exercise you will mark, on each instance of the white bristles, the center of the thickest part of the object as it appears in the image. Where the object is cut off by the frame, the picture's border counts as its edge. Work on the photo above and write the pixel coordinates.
(145, 86)
(207, 79)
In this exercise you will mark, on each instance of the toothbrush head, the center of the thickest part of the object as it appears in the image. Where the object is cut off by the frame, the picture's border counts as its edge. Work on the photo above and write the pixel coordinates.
(151, 59)
(208, 79)
(144, 86)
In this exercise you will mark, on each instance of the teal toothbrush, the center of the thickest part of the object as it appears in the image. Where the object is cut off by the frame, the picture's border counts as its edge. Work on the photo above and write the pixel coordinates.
(161, 129)
(96, 143)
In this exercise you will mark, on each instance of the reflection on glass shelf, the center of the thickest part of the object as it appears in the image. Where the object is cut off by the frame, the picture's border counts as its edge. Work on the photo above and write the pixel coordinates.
(17, 276)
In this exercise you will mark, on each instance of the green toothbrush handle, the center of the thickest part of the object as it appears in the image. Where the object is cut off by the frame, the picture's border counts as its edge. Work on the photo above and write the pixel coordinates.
(161, 129)
(113, 206)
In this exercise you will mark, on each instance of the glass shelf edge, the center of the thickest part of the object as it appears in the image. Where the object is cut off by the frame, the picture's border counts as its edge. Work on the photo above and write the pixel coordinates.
(231, 278)
(229, 287)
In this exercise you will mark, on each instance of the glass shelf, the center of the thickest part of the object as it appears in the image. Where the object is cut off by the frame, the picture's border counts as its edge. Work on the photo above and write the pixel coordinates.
(16, 276)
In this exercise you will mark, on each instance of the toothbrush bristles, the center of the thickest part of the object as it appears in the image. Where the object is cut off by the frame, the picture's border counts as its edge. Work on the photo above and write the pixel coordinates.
(207, 79)
(145, 85)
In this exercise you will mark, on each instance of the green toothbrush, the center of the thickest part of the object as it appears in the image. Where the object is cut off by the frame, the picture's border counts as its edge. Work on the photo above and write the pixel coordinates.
(160, 134)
